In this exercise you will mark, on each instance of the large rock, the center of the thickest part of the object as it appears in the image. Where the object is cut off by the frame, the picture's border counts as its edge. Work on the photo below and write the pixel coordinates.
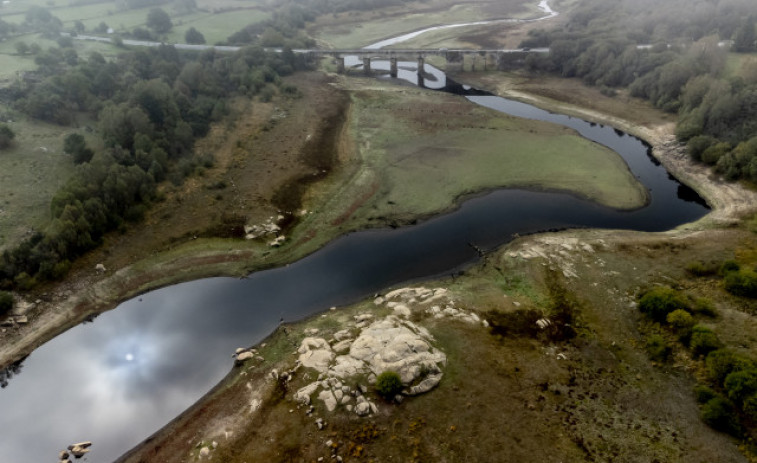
(328, 399)
(316, 353)
(303, 395)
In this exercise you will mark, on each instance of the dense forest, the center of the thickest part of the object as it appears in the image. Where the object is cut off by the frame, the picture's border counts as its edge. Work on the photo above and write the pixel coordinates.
(673, 54)
(150, 104)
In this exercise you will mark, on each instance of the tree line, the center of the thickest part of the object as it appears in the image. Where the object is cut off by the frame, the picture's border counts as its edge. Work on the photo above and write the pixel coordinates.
(673, 54)
(150, 104)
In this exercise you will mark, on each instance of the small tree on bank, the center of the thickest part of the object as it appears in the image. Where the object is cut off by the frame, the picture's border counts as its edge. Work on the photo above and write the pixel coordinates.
(6, 136)
(193, 36)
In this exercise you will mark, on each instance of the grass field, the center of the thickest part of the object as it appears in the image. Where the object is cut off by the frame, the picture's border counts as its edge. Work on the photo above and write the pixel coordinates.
(31, 171)
(419, 151)
(216, 20)
(360, 29)
(217, 27)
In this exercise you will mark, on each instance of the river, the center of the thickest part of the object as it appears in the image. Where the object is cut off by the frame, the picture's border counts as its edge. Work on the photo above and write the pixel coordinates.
(119, 379)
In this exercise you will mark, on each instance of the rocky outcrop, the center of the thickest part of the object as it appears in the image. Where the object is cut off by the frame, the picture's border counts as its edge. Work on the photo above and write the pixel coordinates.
(80, 449)
(387, 344)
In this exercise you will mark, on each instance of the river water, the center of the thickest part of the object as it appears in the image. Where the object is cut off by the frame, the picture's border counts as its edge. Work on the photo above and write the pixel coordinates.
(119, 379)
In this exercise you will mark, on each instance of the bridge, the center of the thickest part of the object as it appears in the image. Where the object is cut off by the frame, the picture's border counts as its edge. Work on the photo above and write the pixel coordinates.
(499, 59)
(486, 58)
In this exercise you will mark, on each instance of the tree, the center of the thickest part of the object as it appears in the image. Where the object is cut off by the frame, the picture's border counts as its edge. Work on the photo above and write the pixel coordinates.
(6, 136)
(6, 302)
(745, 37)
(194, 36)
(79, 27)
(22, 48)
(159, 21)
(75, 145)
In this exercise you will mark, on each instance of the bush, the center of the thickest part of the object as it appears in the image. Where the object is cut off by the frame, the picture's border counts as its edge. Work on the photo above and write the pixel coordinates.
(741, 384)
(6, 136)
(660, 301)
(657, 348)
(6, 302)
(750, 407)
(703, 341)
(719, 414)
(742, 283)
(704, 393)
(728, 266)
(722, 362)
(682, 322)
(388, 384)
(704, 306)
(698, 268)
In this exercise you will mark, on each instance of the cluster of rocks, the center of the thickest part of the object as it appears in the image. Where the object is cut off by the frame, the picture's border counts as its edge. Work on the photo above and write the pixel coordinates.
(75, 450)
(270, 227)
(14, 320)
(404, 301)
(561, 254)
(241, 355)
(18, 315)
(360, 354)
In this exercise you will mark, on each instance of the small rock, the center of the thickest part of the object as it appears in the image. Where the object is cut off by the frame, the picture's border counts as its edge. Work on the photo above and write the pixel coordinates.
(204, 452)
(63, 455)
(363, 408)
(100, 268)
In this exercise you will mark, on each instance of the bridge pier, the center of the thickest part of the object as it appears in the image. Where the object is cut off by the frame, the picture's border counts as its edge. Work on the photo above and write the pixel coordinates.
(393, 66)
(366, 65)
(340, 64)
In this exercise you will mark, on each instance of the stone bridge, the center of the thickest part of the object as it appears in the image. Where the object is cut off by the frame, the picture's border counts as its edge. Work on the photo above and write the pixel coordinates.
(484, 59)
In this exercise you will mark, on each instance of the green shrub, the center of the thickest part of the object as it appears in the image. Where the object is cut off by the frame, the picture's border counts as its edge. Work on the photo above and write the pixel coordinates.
(750, 407)
(25, 282)
(701, 269)
(722, 362)
(682, 322)
(6, 302)
(660, 301)
(728, 266)
(719, 414)
(704, 306)
(704, 393)
(388, 384)
(742, 283)
(703, 341)
(741, 384)
(657, 348)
